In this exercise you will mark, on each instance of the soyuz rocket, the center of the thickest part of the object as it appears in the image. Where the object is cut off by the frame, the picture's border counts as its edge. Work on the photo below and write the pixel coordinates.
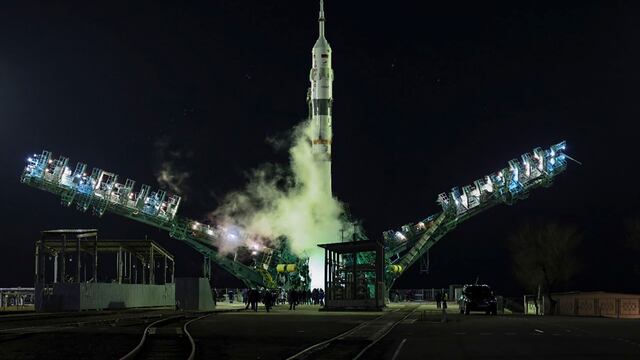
(320, 98)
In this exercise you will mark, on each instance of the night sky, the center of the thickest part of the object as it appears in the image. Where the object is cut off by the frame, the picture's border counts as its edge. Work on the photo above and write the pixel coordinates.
(426, 97)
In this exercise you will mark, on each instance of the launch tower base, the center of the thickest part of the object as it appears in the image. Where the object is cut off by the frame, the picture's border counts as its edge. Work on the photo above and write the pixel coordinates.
(354, 276)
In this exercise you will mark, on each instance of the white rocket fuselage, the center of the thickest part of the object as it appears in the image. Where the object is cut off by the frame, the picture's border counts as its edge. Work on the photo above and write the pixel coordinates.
(320, 101)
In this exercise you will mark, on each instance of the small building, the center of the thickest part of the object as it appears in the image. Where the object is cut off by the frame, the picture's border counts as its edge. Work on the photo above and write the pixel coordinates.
(16, 297)
(354, 275)
(74, 270)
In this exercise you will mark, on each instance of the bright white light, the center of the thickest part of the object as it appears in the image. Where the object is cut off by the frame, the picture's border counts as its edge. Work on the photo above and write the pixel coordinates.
(209, 232)
(316, 268)
(463, 198)
(195, 226)
(400, 236)
(233, 237)
(29, 159)
(552, 161)
(254, 253)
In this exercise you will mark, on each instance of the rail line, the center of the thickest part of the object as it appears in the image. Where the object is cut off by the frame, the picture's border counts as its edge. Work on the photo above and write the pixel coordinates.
(313, 352)
(380, 337)
(94, 319)
(168, 337)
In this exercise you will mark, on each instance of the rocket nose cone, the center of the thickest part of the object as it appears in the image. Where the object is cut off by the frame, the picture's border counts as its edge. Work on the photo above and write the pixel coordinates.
(321, 43)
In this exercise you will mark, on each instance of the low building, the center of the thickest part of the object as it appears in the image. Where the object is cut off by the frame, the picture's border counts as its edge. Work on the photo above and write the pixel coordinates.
(75, 271)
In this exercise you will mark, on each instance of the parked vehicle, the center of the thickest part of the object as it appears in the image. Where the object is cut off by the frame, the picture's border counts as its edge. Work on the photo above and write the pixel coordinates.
(477, 298)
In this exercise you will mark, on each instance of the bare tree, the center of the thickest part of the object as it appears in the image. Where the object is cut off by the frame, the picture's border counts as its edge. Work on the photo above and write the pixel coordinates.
(632, 238)
(544, 255)
(632, 227)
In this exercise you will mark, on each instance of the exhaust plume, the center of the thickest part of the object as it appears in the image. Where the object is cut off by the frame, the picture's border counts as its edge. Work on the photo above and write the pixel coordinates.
(289, 201)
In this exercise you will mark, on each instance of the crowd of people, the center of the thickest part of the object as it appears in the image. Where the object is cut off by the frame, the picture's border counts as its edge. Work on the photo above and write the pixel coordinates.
(272, 297)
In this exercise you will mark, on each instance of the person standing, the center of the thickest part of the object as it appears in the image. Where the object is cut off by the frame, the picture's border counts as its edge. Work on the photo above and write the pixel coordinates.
(256, 300)
(267, 299)
(445, 297)
(293, 299)
(248, 303)
(438, 297)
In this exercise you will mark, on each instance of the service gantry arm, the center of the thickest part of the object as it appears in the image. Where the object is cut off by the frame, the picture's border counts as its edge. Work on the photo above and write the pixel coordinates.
(405, 246)
(101, 192)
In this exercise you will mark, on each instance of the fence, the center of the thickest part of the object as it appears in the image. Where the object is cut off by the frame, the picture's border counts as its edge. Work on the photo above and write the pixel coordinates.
(613, 305)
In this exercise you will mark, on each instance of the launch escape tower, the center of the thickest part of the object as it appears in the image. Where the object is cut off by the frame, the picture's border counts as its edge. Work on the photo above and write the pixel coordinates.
(263, 266)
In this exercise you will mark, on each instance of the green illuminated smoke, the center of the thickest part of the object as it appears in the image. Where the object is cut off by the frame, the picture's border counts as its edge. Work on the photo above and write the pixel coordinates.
(290, 201)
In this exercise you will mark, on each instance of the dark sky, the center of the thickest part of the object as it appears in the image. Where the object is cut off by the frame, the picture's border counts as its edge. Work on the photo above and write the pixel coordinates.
(427, 96)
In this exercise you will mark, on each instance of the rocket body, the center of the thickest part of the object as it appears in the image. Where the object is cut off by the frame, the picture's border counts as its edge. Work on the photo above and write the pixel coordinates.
(320, 99)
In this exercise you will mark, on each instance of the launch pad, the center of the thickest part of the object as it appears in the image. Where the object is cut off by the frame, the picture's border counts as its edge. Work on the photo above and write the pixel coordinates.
(262, 262)
(278, 267)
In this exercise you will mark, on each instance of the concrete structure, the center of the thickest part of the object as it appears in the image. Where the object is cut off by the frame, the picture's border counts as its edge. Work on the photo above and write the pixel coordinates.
(71, 272)
(354, 275)
(597, 303)
(194, 294)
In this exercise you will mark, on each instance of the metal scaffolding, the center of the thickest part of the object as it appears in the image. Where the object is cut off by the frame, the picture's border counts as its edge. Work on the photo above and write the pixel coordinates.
(100, 191)
(537, 169)
(136, 261)
(354, 275)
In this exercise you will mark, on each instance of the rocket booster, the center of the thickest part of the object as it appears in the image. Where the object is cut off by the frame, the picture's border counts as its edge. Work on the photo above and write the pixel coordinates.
(320, 98)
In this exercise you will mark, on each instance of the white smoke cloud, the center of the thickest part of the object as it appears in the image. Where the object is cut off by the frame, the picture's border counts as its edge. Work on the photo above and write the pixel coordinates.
(291, 202)
(169, 174)
(168, 177)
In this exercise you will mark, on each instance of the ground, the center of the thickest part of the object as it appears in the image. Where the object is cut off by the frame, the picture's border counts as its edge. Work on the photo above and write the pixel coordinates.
(480, 336)
(234, 333)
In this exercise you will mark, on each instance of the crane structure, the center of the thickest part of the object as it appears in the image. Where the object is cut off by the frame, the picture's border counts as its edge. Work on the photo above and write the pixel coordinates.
(255, 265)
(276, 266)
(405, 246)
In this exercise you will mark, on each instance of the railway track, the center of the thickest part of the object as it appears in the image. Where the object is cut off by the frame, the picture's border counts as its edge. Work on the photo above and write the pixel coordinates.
(356, 341)
(35, 320)
(61, 323)
(167, 338)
